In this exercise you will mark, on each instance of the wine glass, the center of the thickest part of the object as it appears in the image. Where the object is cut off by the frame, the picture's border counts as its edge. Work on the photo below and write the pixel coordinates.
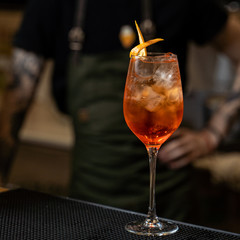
(153, 110)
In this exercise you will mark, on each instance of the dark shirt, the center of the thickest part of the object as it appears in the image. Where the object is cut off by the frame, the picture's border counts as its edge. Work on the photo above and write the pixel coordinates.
(46, 24)
(109, 163)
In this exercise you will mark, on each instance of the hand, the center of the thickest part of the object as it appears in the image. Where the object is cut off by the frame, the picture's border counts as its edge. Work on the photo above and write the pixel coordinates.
(185, 146)
(223, 119)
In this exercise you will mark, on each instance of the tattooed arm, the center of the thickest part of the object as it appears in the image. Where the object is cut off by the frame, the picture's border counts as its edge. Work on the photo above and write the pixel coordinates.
(21, 85)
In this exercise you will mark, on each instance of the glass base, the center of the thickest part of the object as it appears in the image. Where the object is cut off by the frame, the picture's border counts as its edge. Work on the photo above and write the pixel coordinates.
(151, 228)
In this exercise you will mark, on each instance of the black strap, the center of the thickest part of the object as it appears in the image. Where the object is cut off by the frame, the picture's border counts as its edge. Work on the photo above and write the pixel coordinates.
(147, 26)
(76, 35)
(80, 14)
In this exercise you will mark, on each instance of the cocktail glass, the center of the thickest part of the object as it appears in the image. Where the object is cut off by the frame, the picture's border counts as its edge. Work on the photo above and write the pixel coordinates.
(153, 110)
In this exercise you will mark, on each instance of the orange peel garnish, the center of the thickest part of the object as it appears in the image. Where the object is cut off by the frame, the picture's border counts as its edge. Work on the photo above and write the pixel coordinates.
(140, 50)
(143, 52)
(136, 50)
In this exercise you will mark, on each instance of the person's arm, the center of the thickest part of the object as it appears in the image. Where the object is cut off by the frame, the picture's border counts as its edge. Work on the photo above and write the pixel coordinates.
(188, 145)
(21, 85)
(228, 42)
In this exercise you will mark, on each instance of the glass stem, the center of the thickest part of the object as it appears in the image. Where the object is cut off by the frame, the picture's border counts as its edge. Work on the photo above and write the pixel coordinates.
(152, 153)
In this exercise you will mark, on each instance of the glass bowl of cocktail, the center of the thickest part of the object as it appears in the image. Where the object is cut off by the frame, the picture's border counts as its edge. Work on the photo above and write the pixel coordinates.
(153, 110)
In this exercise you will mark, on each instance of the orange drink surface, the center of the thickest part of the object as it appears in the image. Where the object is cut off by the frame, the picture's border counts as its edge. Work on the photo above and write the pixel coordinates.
(153, 101)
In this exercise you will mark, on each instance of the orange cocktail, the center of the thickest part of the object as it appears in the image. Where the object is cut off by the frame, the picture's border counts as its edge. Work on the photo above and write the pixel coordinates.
(153, 109)
(153, 102)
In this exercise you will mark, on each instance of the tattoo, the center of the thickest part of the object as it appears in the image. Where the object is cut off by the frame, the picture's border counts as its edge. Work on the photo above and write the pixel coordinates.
(26, 67)
(21, 85)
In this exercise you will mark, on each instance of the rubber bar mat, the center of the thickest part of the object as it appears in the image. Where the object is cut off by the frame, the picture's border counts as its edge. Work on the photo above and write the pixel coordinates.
(27, 214)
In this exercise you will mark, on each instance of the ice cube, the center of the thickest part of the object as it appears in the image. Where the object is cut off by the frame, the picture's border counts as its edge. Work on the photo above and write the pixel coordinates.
(165, 75)
(153, 104)
(174, 94)
(144, 70)
(151, 99)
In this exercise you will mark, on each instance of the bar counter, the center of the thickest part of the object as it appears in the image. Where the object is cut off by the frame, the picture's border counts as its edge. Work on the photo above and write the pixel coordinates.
(26, 214)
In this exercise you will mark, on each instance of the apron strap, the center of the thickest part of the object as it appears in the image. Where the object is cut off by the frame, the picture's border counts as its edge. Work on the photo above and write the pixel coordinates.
(76, 35)
(147, 25)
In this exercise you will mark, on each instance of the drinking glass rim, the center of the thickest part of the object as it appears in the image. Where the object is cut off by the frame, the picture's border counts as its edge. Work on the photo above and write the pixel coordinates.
(156, 55)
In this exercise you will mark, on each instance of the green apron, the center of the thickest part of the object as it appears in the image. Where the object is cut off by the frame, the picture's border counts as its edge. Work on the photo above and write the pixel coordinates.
(110, 165)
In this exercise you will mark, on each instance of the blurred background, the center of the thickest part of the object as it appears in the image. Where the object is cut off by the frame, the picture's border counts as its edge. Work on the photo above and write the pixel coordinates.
(43, 159)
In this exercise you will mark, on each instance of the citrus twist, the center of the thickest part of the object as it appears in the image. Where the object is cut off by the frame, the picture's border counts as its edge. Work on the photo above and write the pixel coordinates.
(140, 49)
